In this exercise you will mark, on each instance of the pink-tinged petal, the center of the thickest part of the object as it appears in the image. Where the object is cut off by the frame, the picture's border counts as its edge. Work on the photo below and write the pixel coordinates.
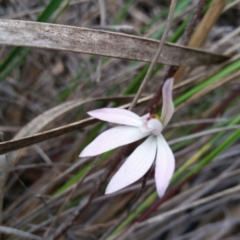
(112, 138)
(117, 115)
(168, 107)
(165, 165)
(136, 165)
(155, 126)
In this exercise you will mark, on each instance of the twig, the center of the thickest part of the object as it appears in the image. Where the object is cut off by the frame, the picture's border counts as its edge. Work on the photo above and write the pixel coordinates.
(173, 69)
(154, 61)
(102, 10)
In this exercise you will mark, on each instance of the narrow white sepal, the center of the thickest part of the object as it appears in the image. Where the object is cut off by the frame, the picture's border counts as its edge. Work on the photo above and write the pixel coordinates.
(117, 115)
(136, 165)
(165, 165)
(168, 107)
(112, 138)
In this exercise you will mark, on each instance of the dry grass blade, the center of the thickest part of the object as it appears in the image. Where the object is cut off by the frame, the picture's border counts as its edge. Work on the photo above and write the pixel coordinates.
(201, 201)
(83, 40)
(20, 140)
(203, 133)
(210, 88)
(19, 233)
(207, 23)
(35, 138)
(156, 57)
(203, 29)
(3, 163)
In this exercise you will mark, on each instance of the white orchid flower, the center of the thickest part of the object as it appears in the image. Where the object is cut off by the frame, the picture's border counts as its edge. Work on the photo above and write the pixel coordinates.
(132, 129)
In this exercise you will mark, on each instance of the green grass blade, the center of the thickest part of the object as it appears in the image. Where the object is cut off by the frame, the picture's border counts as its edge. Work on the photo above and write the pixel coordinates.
(222, 73)
(13, 59)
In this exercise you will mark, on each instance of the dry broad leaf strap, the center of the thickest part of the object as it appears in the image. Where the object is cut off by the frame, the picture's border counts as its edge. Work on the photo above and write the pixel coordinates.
(84, 40)
(22, 139)
(39, 137)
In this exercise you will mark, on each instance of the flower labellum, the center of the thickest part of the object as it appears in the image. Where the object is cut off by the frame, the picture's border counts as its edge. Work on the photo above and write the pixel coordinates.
(134, 128)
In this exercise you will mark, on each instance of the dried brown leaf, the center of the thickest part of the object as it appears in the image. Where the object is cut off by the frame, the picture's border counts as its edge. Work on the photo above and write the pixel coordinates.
(22, 139)
(84, 40)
